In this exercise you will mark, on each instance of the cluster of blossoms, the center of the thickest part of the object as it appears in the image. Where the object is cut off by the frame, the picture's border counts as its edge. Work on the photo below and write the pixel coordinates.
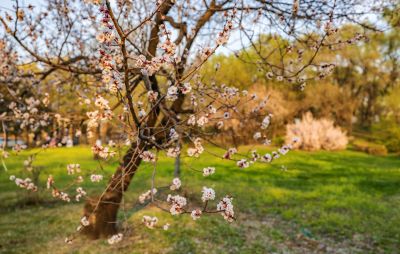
(96, 178)
(173, 152)
(28, 114)
(149, 222)
(196, 213)
(103, 152)
(330, 29)
(147, 195)
(208, 194)
(268, 157)
(168, 46)
(173, 134)
(257, 135)
(203, 120)
(208, 171)
(24, 183)
(103, 113)
(325, 70)
(226, 208)
(80, 193)
(228, 92)
(102, 103)
(191, 120)
(176, 184)
(115, 238)
(223, 36)
(152, 96)
(107, 64)
(197, 150)
(231, 151)
(206, 52)
(178, 202)
(243, 163)
(61, 195)
(73, 168)
(148, 156)
(266, 122)
(174, 90)
(149, 67)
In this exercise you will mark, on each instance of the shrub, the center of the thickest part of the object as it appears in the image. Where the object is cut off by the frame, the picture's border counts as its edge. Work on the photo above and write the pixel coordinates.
(314, 134)
(387, 132)
(369, 147)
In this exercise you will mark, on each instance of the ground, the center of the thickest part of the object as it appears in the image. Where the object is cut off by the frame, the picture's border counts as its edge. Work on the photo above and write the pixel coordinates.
(321, 202)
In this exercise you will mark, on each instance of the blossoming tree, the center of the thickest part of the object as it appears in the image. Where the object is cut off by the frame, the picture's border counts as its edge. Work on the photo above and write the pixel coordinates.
(144, 58)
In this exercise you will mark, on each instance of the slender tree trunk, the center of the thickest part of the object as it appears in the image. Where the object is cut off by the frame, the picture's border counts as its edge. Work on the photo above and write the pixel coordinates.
(177, 170)
(102, 211)
(5, 136)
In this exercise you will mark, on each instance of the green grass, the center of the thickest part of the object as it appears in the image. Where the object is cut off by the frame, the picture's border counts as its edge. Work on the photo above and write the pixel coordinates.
(342, 202)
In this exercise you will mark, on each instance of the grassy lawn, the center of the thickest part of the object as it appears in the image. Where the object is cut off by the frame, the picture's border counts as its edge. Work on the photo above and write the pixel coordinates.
(324, 202)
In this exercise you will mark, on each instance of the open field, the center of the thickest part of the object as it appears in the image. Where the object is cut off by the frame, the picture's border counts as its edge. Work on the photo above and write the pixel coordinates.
(322, 202)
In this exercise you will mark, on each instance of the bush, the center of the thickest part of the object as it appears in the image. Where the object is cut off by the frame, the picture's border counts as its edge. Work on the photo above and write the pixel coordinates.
(388, 133)
(316, 134)
(369, 147)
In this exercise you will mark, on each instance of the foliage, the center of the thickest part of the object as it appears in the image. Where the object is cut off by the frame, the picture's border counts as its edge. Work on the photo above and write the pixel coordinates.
(365, 74)
(316, 134)
(388, 134)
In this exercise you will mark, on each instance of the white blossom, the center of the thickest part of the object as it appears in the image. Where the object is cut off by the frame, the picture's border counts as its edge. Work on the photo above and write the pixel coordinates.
(208, 194)
(178, 202)
(257, 135)
(173, 152)
(208, 171)
(149, 222)
(176, 184)
(147, 195)
(96, 178)
(226, 208)
(115, 238)
(148, 156)
(243, 163)
(196, 214)
(265, 123)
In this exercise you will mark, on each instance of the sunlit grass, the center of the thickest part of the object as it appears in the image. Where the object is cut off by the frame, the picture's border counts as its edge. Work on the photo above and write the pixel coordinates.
(322, 195)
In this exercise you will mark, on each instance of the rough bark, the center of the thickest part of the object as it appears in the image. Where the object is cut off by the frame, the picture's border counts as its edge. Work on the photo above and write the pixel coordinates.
(102, 211)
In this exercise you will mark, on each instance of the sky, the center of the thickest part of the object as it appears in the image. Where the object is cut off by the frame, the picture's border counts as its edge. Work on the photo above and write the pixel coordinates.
(9, 3)
(234, 42)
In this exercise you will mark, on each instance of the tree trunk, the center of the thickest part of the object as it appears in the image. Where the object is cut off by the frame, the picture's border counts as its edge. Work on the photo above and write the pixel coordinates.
(102, 211)
(177, 170)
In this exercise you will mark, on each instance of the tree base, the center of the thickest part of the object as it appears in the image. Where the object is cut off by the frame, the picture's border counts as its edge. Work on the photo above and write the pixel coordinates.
(102, 218)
